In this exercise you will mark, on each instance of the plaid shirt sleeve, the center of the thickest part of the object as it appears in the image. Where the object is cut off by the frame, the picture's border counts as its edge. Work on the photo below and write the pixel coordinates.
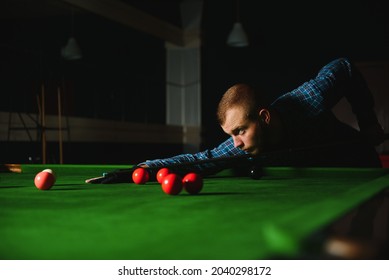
(318, 94)
(223, 150)
(338, 79)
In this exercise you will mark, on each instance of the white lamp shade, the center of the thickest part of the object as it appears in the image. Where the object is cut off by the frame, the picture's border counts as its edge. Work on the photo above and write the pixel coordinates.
(237, 37)
(71, 51)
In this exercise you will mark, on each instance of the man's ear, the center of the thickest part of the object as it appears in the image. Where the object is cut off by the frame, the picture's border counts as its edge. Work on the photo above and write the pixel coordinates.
(264, 116)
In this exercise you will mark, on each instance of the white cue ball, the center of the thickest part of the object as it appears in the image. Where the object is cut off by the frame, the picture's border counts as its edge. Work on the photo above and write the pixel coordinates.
(50, 171)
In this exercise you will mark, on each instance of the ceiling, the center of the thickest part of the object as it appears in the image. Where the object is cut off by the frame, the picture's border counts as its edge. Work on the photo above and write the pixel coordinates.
(166, 10)
(274, 23)
(158, 18)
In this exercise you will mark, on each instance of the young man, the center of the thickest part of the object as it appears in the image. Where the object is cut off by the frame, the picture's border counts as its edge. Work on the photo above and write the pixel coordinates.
(297, 129)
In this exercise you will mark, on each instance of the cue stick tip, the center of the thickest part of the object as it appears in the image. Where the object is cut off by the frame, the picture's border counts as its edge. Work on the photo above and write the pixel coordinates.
(94, 180)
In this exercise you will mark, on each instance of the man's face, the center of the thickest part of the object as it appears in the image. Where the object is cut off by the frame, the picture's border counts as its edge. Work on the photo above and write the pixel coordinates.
(246, 133)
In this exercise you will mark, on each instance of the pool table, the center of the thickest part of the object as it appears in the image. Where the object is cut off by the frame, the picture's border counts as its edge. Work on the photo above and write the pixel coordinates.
(290, 213)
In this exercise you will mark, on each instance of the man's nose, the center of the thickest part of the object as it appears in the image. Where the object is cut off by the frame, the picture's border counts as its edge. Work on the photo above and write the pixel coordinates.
(237, 142)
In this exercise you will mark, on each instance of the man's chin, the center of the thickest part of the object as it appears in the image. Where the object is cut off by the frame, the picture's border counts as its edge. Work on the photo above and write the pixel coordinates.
(254, 152)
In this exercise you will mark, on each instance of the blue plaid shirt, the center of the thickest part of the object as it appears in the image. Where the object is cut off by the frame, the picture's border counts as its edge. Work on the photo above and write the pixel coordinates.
(298, 109)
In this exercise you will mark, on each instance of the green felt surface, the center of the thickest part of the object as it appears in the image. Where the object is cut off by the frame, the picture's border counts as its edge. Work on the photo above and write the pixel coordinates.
(232, 218)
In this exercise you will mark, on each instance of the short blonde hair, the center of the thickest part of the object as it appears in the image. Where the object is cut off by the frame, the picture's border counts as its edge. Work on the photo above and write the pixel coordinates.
(239, 95)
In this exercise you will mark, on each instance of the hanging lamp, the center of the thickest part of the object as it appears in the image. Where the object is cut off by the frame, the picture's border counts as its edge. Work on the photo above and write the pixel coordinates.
(237, 36)
(71, 51)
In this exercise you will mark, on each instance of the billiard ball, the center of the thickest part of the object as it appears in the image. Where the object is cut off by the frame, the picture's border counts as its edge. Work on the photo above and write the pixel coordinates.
(172, 184)
(52, 172)
(44, 180)
(140, 176)
(256, 172)
(192, 183)
(162, 173)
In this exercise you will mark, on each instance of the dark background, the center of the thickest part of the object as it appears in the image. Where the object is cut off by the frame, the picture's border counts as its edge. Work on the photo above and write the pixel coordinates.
(123, 71)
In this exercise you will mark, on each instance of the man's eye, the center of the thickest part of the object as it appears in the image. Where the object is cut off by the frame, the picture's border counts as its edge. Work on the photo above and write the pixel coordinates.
(241, 131)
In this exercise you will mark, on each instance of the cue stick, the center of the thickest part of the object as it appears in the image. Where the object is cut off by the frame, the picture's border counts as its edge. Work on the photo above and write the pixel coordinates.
(60, 126)
(43, 132)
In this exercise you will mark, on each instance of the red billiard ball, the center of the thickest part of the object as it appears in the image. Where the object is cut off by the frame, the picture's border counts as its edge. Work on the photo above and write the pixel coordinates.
(52, 172)
(172, 184)
(192, 183)
(162, 173)
(140, 176)
(44, 180)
